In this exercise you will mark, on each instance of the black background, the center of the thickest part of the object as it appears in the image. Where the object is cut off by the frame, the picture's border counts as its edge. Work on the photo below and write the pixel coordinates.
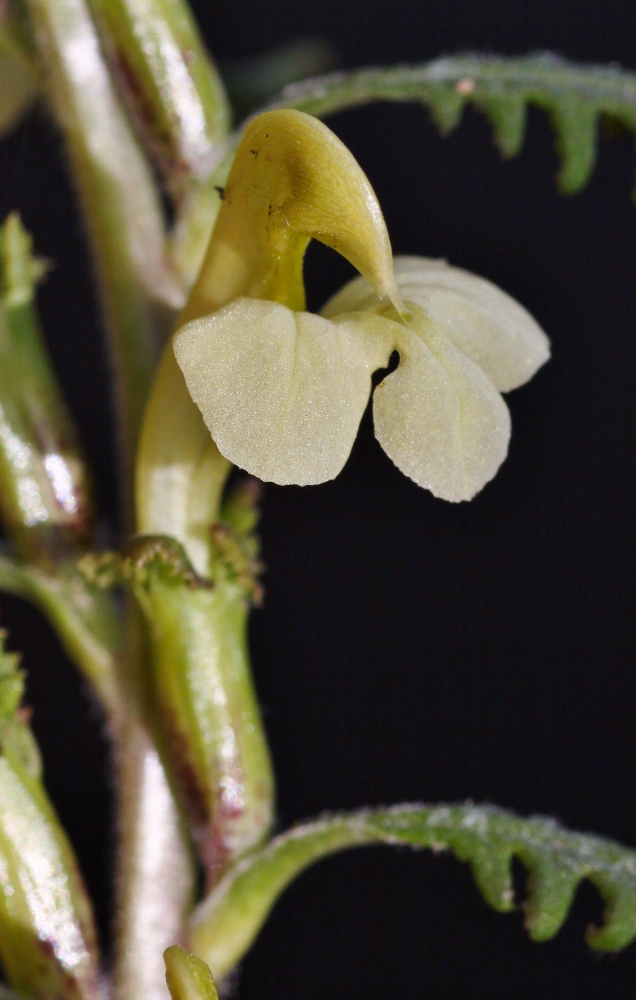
(411, 649)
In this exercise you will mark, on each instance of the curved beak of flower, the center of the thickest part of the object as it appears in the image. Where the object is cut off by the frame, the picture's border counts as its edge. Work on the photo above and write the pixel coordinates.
(292, 180)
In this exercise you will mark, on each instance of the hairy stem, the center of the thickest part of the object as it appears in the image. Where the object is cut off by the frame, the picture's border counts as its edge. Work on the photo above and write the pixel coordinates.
(86, 622)
(156, 882)
(171, 87)
(120, 204)
(139, 293)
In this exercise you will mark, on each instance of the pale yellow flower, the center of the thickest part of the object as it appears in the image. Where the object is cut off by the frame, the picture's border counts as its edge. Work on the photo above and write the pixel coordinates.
(282, 391)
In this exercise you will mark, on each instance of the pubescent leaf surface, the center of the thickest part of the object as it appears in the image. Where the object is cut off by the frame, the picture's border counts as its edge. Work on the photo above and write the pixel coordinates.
(574, 96)
(487, 837)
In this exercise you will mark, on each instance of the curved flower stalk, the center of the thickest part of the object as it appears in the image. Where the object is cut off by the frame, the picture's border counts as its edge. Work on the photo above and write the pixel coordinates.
(282, 391)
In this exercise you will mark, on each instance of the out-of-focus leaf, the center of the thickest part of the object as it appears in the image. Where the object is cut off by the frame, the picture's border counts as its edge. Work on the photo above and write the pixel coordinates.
(18, 80)
(251, 82)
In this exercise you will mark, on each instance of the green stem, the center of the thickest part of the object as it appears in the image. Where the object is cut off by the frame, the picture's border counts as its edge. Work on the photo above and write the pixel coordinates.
(120, 205)
(139, 293)
(86, 622)
(171, 87)
(45, 489)
(156, 887)
(542, 79)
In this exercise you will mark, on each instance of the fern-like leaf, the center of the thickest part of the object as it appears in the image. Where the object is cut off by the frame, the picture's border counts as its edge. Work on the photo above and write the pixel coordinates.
(575, 97)
(487, 837)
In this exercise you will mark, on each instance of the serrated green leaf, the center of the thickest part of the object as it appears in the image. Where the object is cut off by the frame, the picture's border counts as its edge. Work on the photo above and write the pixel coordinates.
(507, 116)
(619, 919)
(11, 682)
(491, 872)
(487, 837)
(551, 891)
(575, 97)
(446, 105)
(575, 124)
(16, 739)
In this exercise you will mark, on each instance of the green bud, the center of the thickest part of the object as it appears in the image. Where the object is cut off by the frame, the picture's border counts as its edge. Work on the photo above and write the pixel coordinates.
(47, 936)
(172, 89)
(188, 978)
(203, 705)
(44, 488)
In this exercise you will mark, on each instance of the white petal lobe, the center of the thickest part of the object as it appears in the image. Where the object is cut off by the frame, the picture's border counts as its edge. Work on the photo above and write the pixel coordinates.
(281, 392)
(487, 325)
(439, 418)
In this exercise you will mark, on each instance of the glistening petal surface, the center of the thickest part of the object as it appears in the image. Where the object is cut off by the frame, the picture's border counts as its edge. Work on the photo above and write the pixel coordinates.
(282, 392)
(438, 417)
(485, 323)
